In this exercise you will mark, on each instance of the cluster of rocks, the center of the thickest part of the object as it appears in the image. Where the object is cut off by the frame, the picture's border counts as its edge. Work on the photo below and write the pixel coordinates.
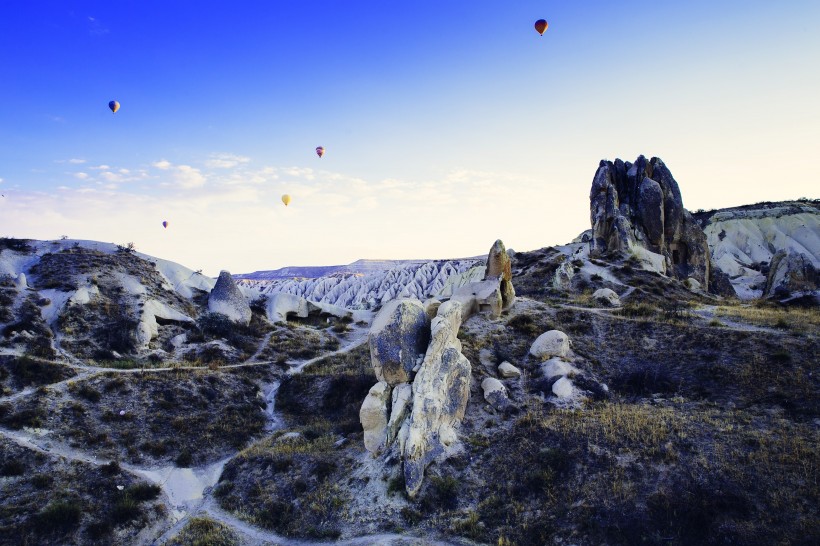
(559, 376)
(791, 274)
(228, 300)
(636, 208)
(423, 377)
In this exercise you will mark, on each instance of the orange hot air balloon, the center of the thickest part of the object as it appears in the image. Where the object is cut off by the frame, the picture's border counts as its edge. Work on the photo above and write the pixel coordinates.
(320, 151)
(541, 26)
(114, 105)
(286, 199)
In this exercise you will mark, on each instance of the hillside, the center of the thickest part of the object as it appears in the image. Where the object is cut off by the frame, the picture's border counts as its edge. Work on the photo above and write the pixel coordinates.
(613, 390)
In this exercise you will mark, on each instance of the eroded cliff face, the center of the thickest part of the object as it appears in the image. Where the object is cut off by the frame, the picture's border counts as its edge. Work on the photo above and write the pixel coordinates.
(636, 208)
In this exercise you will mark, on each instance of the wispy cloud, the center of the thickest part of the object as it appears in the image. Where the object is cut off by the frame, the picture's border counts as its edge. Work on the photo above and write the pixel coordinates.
(81, 176)
(163, 164)
(189, 177)
(225, 161)
(96, 27)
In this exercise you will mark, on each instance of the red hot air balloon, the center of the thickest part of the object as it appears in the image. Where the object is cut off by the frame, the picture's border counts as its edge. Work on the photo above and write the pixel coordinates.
(541, 26)
(320, 151)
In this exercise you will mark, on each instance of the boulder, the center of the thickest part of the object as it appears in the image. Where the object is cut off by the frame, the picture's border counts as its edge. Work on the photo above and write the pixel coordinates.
(495, 393)
(508, 371)
(399, 334)
(692, 284)
(607, 297)
(563, 388)
(549, 344)
(373, 416)
(227, 300)
(557, 367)
(282, 304)
(790, 272)
(636, 209)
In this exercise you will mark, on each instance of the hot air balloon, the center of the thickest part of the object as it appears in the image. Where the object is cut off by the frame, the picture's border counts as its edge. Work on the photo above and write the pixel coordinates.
(165, 224)
(541, 26)
(114, 105)
(286, 199)
(320, 151)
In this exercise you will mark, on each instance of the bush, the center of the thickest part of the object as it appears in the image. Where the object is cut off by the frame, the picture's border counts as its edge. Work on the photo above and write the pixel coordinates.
(59, 516)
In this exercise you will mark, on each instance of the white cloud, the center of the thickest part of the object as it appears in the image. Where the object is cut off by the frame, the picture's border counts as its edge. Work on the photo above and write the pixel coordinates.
(111, 177)
(101, 167)
(75, 161)
(225, 161)
(81, 176)
(189, 177)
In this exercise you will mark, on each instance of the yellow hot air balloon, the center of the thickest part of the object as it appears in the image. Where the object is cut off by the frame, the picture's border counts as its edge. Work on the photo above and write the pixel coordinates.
(114, 105)
(286, 199)
(541, 26)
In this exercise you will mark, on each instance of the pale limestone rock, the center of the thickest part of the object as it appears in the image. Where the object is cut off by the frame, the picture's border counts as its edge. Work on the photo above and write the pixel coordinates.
(508, 371)
(557, 366)
(431, 306)
(563, 388)
(552, 343)
(147, 329)
(607, 296)
(440, 392)
(282, 304)
(399, 334)
(227, 300)
(487, 296)
(373, 416)
(495, 393)
(402, 398)
(692, 284)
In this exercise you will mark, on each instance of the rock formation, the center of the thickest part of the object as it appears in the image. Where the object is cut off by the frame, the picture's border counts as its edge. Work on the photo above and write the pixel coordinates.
(607, 297)
(637, 209)
(790, 272)
(227, 300)
(499, 267)
(423, 416)
(548, 344)
(398, 337)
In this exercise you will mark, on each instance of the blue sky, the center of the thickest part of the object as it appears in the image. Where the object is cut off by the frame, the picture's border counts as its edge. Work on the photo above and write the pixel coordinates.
(447, 124)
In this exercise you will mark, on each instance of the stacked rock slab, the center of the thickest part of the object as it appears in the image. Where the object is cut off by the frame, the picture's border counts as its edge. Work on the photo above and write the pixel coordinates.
(637, 207)
(227, 300)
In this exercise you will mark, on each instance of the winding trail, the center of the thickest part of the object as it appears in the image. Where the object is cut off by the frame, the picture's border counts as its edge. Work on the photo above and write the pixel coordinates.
(186, 492)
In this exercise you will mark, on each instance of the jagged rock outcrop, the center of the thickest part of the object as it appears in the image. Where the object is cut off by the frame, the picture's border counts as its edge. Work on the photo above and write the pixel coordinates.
(362, 289)
(398, 337)
(440, 395)
(499, 267)
(790, 272)
(637, 209)
(424, 425)
(227, 300)
(743, 240)
(282, 305)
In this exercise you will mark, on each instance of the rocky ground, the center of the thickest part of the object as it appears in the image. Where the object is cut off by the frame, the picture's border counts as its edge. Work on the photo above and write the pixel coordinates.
(698, 423)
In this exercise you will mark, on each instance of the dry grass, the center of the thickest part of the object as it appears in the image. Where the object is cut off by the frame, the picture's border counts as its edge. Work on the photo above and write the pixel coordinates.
(796, 320)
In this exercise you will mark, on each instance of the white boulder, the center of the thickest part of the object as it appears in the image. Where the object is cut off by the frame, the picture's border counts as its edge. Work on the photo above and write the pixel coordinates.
(373, 416)
(508, 371)
(549, 344)
(606, 296)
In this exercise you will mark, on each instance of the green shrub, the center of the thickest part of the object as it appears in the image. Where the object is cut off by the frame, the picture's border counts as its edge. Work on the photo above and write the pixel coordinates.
(59, 516)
